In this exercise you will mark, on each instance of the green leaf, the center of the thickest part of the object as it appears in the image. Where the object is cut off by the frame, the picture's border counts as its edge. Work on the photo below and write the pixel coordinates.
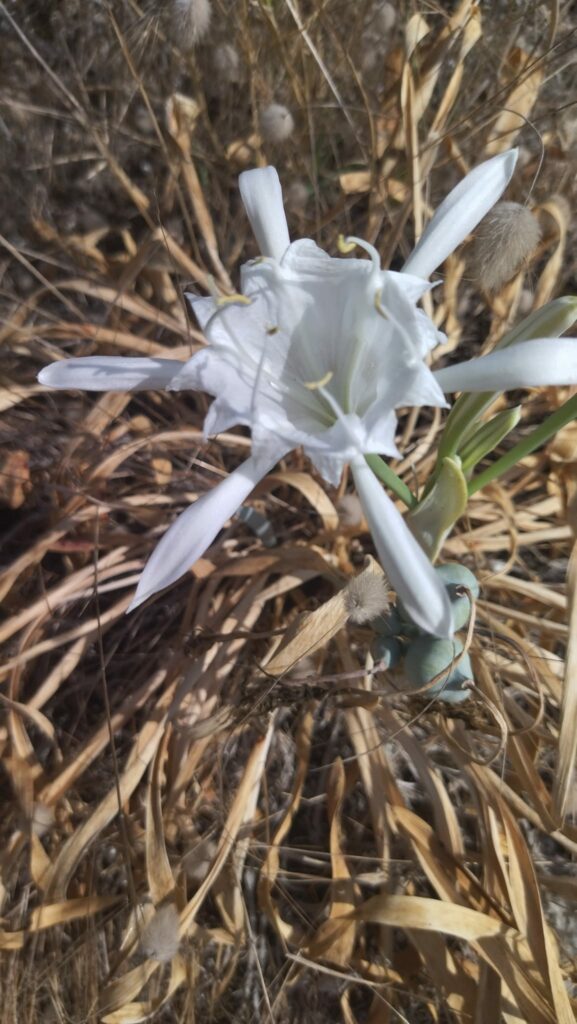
(551, 321)
(487, 437)
(439, 510)
(390, 478)
(535, 439)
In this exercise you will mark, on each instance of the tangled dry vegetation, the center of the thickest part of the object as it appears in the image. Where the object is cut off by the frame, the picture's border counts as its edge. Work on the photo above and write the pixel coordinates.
(194, 826)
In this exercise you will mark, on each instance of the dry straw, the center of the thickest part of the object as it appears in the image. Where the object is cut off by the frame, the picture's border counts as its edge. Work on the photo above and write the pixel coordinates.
(300, 841)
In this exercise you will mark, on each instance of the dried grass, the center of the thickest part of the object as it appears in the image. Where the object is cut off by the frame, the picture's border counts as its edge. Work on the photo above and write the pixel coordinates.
(334, 849)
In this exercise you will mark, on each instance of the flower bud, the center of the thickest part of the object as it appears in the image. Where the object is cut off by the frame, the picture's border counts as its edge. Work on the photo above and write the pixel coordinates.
(390, 624)
(387, 651)
(427, 657)
(458, 579)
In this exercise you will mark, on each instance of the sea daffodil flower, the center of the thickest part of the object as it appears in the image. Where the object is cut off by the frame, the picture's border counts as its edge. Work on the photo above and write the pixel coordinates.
(318, 352)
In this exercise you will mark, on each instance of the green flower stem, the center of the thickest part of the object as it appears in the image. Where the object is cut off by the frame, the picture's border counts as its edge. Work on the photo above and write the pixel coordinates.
(552, 424)
(396, 485)
(549, 321)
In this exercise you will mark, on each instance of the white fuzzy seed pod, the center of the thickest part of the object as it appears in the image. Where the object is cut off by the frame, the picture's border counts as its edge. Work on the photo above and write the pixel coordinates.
(296, 196)
(42, 819)
(384, 17)
(504, 242)
(276, 123)
(191, 21)
(226, 63)
(366, 597)
(350, 510)
(160, 939)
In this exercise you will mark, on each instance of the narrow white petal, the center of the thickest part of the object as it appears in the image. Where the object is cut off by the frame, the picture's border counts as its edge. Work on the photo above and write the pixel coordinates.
(529, 364)
(402, 558)
(262, 197)
(110, 373)
(460, 212)
(202, 306)
(193, 532)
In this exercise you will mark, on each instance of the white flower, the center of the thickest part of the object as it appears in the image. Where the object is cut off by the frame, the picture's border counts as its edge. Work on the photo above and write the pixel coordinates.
(318, 352)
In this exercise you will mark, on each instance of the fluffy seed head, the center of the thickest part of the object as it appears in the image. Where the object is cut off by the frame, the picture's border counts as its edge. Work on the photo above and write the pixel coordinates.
(505, 240)
(296, 196)
(160, 937)
(191, 21)
(384, 16)
(226, 62)
(42, 819)
(276, 123)
(198, 860)
(350, 510)
(366, 597)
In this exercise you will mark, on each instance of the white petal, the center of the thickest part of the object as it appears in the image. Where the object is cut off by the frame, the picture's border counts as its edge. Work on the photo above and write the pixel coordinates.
(330, 467)
(202, 306)
(413, 287)
(208, 371)
(460, 212)
(221, 416)
(193, 532)
(531, 364)
(261, 194)
(110, 373)
(403, 560)
(381, 428)
(424, 389)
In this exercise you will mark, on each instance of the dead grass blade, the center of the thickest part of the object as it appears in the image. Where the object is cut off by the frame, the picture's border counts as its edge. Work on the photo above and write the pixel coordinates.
(567, 751)
(496, 943)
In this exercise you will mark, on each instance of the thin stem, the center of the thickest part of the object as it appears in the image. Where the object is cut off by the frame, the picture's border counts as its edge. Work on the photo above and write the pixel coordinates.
(390, 478)
(552, 424)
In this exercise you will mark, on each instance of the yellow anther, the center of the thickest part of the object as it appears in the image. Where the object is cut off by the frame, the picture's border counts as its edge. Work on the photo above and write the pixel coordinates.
(272, 330)
(228, 300)
(345, 246)
(314, 385)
